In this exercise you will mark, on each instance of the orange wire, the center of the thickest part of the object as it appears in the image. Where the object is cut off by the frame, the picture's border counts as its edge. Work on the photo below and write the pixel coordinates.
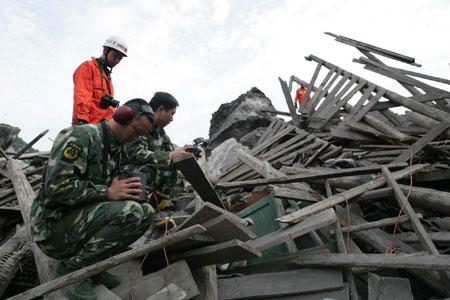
(393, 248)
(145, 256)
(348, 223)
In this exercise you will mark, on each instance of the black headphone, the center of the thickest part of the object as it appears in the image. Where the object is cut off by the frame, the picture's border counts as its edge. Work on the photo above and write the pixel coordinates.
(125, 113)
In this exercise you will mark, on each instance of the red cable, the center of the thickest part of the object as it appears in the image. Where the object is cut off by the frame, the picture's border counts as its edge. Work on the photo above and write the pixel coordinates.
(145, 256)
(348, 224)
(393, 249)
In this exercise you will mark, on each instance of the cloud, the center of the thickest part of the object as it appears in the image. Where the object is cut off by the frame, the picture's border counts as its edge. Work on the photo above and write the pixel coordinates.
(203, 52)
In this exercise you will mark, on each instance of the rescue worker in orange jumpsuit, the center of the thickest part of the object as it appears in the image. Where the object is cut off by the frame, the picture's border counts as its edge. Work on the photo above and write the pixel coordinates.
(299, 94)
(93, 95)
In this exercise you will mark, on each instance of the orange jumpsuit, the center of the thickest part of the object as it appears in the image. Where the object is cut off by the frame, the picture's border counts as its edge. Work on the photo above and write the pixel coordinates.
(88, 91)
(299, 96)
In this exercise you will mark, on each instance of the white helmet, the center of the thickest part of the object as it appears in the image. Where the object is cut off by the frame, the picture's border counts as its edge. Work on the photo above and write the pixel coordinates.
(117, 43)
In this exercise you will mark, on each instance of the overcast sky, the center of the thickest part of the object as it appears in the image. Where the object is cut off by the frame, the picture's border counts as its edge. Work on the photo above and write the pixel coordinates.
(204, 52)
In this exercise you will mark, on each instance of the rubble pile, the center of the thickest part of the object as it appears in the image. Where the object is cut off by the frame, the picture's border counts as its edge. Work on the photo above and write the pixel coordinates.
(347, 200)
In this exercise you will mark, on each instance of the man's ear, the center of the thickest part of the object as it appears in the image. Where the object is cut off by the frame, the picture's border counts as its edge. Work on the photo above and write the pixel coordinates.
(160, 109)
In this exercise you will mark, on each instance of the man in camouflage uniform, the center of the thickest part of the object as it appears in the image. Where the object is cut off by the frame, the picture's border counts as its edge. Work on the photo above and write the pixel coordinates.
(153, 153)
(83, 213)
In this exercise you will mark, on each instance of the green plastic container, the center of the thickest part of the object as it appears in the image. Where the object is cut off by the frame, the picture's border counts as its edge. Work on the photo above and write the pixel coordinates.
(263, 213)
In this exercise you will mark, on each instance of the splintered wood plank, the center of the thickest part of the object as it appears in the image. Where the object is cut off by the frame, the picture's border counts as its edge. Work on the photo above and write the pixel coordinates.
(368, 91)
(310, 86)
(307, 177)
(374, 49)
(224, 228)
(270, 156)
(289, 193)
(226, 252)
(419, 98)
(437, 237)
(366, 129)
(280, 284)
(327, 105)
(423, 141)
(268, 130)
(106, 264)
(365, 109)
(316, 154)
(341, 294)
(331, 111)
(25, 196)
(332, 95)
(179, 273)
(389, 288)
(170, 292)
(239, 169)
(345, 133)
(289, 102)
(342, 197)
(382, 242)
(312, 223)
(321, 92)
(425, 240)
(264, 169)
(388, 261)
(194, 174)
(206, 212)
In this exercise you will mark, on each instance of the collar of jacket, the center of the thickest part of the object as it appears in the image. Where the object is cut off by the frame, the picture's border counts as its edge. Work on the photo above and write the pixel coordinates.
(110, 140)
(102, 64)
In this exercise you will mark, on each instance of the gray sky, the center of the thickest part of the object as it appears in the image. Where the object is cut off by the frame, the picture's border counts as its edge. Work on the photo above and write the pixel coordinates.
(203, 52)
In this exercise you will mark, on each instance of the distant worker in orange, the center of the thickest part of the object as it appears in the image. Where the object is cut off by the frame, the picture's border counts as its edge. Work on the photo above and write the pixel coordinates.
(299, 94)
(93, 93)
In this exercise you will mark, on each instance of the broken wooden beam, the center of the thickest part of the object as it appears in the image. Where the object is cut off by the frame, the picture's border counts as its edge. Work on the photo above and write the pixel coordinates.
(194, 174)
(345, 196)
(387, 261)
(106, 264)
(312, 223)
(306, 177)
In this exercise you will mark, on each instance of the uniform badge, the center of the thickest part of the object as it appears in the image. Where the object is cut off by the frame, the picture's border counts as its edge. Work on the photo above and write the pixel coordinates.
(72, 151)
(112, 147)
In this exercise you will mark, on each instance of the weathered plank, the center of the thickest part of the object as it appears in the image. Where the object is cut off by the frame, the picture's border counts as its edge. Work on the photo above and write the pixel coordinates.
(194, 174)
(279, 284)
(30, 144)
(349, 194)
(226, 252)
(423, 141)
(388, 261)
(382, 242)
(204, 213)
(312, 223)
(389, 288)
(310, 87)
(289, 102)
(425, 240)
(170, 292)
(177, 273)
(379, 223)
(106, 264)
(25, 196)
(306, 177)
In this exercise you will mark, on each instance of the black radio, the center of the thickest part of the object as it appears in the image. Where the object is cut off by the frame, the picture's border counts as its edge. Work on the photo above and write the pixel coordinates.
(124, 174)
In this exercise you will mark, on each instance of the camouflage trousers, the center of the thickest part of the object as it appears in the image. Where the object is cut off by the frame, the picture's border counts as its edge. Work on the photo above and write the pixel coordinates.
(160, 177)
(96, 231)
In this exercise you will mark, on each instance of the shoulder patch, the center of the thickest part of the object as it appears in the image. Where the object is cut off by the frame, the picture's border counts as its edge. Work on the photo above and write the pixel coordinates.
(72, 151)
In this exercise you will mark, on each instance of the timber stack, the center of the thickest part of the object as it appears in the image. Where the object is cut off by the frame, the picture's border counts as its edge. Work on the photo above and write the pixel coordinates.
(347, 200)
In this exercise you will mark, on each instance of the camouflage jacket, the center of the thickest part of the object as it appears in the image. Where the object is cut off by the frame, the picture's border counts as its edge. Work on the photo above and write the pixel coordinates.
(153, 148)
(76, 173)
